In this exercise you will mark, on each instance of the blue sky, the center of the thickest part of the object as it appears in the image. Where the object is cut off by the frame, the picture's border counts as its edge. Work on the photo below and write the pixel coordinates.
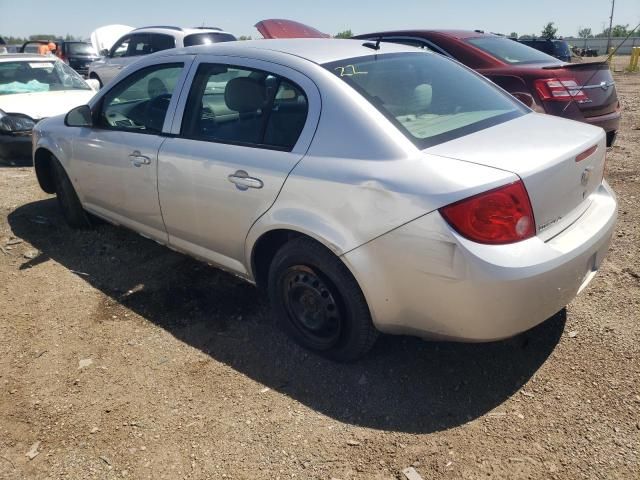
(80, 17)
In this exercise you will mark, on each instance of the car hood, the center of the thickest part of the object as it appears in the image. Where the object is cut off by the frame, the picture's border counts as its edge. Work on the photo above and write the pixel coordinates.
(40, 105)
(281, 28)
(103, 38)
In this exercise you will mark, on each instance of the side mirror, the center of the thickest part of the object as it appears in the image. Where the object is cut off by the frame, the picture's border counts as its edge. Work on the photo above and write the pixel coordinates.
(93, 83)
(79, 117)
(104, 52)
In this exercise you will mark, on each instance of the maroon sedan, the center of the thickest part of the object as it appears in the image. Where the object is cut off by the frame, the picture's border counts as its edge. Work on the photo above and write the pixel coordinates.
(580, 91)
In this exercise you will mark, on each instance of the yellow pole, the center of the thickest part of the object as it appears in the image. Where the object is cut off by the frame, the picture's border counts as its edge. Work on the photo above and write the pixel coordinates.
(634, 57)
(610, 59)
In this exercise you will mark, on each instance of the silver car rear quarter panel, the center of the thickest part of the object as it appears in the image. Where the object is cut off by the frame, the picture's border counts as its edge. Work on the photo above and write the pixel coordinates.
(424, 279)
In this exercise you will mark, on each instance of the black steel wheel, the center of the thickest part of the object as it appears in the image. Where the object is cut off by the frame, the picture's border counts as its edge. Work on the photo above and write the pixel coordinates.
(318, 302)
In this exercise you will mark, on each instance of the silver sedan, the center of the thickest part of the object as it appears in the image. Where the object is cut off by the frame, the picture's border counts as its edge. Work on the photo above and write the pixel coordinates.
(369, 187)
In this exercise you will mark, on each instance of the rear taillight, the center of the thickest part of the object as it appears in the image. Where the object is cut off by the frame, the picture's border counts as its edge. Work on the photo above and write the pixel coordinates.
(559, 89)
(499, 216)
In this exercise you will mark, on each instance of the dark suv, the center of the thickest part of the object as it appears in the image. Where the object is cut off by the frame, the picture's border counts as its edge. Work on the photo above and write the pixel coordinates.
(556, 48)
(78, 55)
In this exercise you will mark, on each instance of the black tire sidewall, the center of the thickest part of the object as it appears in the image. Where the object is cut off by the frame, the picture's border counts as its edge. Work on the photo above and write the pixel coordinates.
(68, 200)
(357, 333)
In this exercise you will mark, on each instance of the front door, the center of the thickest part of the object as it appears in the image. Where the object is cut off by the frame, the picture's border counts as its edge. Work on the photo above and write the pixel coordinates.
(244, 127)
(115, 161)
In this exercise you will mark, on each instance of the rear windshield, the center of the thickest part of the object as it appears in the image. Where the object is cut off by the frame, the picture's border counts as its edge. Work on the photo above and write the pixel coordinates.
(206, 38)
(561, 48)
(510, 51)
(38, 76)
(81, 49)
(430, 98)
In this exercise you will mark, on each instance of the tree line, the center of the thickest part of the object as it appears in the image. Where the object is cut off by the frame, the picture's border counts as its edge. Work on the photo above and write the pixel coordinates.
(11, 40)
(550, 31)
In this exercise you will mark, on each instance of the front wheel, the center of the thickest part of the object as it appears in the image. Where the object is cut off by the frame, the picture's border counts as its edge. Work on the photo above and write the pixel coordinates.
(318, 302)
(68, 200)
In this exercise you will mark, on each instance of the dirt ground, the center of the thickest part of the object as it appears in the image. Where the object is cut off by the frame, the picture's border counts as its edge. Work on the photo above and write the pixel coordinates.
(122, 359)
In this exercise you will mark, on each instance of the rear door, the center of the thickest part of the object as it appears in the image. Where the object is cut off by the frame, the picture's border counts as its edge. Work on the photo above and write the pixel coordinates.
(115, 161)
(241, 129)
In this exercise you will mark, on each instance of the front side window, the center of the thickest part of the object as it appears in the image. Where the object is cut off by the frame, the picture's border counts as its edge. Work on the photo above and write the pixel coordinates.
(38, 76)
(242, 106)
(140, 102)
(139, 45)
(120, 49)
(429, 98)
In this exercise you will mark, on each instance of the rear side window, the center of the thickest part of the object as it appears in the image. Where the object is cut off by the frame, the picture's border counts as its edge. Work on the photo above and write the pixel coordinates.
(242, 106)
(207, 38)
(161, 42)
(430, 98)
(510, 51)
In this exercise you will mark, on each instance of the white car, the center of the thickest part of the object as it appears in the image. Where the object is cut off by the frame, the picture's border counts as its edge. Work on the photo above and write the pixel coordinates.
(33, 87)
(143, 41)
(368, 186)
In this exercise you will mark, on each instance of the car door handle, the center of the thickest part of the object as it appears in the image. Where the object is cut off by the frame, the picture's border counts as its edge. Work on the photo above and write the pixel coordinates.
(137, 159)
(243, 181)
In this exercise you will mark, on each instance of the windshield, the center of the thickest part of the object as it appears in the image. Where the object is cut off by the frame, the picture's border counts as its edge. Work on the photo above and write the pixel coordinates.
(430, 98)
(510, 51)
(206, 38)
(38, 76)
(561, 48)
(82, 49)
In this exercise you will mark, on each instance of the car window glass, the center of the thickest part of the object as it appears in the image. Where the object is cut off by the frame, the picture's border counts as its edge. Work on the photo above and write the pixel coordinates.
(140, 101)
(160, 42)
(510, 51)
(38, 76)
(120, 49)
(140, 45)
(428, 97)
(246, 107)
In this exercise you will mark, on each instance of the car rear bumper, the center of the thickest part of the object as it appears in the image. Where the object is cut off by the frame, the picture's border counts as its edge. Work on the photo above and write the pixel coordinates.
(15, 148)
(424, 279)
(609, 122)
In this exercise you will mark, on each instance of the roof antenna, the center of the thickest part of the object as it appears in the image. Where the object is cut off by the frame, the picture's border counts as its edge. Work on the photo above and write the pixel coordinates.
(373, 46)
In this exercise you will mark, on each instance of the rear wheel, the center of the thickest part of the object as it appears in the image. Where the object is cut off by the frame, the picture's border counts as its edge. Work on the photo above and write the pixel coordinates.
(68, 200)
(318, 302)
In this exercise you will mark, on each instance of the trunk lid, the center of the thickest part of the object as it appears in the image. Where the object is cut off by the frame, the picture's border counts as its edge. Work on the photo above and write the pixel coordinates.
(281, 28)
(596, 83)
(542, 150)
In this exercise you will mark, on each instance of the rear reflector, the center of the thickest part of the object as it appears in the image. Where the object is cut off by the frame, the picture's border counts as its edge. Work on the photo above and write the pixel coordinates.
(499, 216)
(559, 89)
(587, 153)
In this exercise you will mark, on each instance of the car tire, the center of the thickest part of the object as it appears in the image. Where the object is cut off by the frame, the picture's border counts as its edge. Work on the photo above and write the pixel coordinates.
(318, 302)
(96, 77)
(68, 200)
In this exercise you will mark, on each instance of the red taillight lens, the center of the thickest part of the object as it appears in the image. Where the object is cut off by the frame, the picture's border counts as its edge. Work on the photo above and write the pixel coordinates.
(499, 216)
(559, 89)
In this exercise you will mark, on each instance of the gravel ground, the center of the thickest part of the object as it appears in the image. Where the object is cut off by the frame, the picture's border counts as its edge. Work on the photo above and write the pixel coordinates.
(122, 359)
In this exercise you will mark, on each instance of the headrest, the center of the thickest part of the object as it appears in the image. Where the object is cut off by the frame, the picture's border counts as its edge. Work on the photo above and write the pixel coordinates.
(244, 95)
(156, 87)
